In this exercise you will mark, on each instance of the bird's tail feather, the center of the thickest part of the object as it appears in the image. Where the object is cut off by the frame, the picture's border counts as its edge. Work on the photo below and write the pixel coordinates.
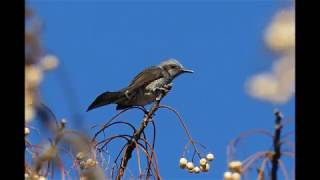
(105, 99)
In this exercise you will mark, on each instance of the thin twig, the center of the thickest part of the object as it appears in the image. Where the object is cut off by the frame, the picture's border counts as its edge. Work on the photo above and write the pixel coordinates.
(251, 159)
(153, 143)
(283, 169)
(234, 142)
(261, 169)
(154, 165)
(184, 127)
(106, 141)
(123, 147)
(153, 154)
(187, 145)
(112, 119)
(138, 159)
(289, 154)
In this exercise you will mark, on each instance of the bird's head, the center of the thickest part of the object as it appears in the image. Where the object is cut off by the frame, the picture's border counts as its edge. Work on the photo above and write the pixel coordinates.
(174, 68)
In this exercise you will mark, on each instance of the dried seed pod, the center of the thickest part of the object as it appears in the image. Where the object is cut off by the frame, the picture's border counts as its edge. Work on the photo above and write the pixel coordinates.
(26, 131)
(236, 176)
(203, 162)
(183, 162)
(205, 168)
(235, 166)
(227, 176)
(210, 156)
(91, 163)
(196, 169)
(49, 62)
(42, 178)
(80, 156)
(190, 165)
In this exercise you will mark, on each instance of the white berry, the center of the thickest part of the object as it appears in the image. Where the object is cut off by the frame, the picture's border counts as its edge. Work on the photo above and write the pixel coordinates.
(227, 175)
(26, 131)
(236, 176)
(183, 162)
(190, 165)
(210, 157)
(235, 166)
(203, 162)
(205, 168)
(196, 169)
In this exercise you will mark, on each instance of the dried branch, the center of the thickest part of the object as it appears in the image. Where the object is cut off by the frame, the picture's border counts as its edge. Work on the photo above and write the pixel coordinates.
(261, 169)
(136, 136)
(273, 155)
(276, 146)
(106, 125)
(234, 142)
(153, 143)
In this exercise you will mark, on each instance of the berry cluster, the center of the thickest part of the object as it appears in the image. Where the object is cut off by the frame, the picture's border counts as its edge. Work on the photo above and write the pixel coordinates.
(235, 171)
(204, 165)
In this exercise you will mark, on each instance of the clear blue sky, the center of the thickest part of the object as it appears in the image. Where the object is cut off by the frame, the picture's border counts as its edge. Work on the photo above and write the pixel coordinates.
(103, 44)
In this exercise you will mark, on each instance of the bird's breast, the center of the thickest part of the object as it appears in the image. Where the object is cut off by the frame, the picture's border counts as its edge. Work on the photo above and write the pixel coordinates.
(156, 84)
(148, 94)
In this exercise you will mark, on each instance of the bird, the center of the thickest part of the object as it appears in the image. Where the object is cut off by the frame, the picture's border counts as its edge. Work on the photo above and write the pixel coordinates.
(144, 88)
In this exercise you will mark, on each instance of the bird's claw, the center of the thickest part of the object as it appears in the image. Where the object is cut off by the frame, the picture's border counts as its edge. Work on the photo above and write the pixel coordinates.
(163, 89)
(166, 88)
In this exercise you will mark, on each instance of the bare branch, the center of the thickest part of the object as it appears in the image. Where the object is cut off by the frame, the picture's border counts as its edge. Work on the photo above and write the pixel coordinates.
(276, 146)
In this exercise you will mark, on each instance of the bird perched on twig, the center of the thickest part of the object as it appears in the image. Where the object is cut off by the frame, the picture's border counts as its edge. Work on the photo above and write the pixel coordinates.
(144, 88)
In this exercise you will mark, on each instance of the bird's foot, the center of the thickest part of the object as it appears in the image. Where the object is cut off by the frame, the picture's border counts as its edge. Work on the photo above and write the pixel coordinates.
(168, 86)
(164, 90)
(146, 115)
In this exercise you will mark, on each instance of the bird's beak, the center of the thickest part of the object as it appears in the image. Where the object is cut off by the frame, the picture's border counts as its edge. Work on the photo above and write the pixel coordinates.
(187, 71)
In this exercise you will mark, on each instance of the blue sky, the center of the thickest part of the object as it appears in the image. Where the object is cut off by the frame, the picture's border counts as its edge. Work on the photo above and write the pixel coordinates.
(103, 44)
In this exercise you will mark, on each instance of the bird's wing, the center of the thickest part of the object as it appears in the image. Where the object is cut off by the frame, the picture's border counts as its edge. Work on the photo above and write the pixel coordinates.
(145, 77)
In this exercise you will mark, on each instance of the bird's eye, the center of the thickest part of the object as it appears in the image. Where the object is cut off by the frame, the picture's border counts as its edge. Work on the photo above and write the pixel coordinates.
(173, 67)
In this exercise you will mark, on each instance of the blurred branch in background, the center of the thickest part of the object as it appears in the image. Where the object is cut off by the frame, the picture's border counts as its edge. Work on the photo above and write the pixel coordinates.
(37, 63)
(274, 157)
(71, 97)
(44, 159)
(277, 86)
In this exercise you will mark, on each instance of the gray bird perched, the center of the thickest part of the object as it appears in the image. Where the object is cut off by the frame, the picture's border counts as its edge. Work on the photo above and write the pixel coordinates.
(144, 88)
